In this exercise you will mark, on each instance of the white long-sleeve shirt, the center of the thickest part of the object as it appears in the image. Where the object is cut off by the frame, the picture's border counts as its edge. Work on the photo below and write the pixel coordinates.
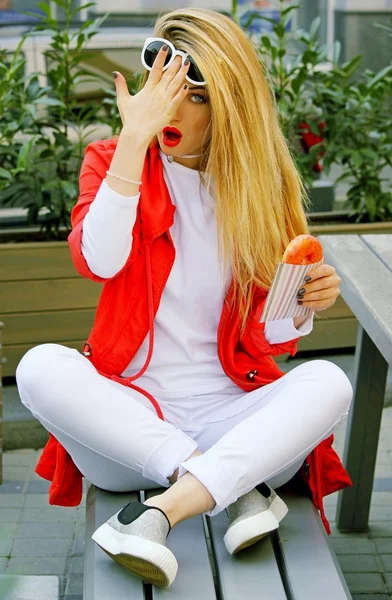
(185, 367)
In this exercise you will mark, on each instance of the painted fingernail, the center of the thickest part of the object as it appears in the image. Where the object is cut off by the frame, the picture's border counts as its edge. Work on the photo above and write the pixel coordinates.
(186, 62)
(185, 87)
(307, 278)
(301, 291)
(164, 48)
(115, 75)
(299, 301)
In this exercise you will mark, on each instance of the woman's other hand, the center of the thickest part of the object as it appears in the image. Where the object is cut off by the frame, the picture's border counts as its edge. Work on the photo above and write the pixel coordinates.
(154, 106)
(322, 290)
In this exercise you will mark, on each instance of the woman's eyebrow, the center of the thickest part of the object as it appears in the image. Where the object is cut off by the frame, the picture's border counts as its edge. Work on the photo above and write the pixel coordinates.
(197, 87)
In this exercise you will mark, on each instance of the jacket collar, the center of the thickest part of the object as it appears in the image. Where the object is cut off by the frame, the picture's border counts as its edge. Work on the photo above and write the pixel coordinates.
(157, 209)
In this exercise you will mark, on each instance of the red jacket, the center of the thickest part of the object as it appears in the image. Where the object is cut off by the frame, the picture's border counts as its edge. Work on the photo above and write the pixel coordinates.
(125, 316)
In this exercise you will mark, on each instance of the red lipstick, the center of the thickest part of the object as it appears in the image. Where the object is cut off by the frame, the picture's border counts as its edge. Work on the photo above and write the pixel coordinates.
(171, 136)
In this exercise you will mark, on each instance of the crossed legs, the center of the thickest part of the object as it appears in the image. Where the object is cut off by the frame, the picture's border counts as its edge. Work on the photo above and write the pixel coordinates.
(97, 420)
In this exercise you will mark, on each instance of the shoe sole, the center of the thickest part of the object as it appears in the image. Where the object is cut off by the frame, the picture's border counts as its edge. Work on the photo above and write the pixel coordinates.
(248, 531)
(150, 561)
(279, 508)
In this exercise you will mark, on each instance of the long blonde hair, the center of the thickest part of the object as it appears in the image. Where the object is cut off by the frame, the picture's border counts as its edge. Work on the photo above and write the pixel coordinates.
(259, 195)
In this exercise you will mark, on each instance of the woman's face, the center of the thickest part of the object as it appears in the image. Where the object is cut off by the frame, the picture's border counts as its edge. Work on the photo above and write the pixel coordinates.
(191, 119)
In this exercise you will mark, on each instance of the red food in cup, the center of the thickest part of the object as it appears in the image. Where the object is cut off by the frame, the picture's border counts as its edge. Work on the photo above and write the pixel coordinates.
(303, 250)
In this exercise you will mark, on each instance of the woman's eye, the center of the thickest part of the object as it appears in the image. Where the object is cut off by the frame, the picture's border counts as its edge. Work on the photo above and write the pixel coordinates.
(202, 99)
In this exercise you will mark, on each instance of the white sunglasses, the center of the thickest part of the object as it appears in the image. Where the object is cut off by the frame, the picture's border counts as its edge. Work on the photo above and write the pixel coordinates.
(151, 48)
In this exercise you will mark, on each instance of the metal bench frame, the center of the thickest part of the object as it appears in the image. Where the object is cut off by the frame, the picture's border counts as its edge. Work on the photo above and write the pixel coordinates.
(364, 263)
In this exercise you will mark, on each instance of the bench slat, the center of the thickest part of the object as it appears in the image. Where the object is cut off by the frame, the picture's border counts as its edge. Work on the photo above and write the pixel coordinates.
(381, 244)
(309, 564)
(103, 577)
(366, 286)
(194, 580)
(294, 563)
(31, 587)
(253, 573)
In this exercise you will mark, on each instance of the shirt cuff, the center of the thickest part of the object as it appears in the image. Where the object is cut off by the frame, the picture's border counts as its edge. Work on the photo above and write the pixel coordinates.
(283, 330)
(106, 194)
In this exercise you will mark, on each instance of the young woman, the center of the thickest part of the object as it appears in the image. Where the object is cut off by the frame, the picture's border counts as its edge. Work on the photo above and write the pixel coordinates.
(184, 227)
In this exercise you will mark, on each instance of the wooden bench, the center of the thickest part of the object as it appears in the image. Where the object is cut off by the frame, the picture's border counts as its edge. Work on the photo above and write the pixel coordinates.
(29, 587)
(294, 563)
(364, 262)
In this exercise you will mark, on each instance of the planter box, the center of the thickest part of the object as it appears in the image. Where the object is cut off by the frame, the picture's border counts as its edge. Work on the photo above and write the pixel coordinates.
(333, 329)
(1, 407)
(322, 195)
(43, 299)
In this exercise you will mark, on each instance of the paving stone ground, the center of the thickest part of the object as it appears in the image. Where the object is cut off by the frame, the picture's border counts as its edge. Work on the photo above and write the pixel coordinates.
(38, 539)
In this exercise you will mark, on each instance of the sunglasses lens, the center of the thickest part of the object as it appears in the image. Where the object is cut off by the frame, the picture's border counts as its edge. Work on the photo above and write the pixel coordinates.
(193, 71)
(152, 50)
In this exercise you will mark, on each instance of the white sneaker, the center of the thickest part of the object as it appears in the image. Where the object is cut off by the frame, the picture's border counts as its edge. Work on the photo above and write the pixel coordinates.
(135, 537)
(252, 517)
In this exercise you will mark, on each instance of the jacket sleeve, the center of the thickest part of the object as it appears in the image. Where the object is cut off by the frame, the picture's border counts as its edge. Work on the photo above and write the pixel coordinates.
(93, 171)
(254, 340)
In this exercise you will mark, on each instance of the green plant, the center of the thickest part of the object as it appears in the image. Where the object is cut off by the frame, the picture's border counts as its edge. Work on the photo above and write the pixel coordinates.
(359, 141)
(43, 174)
(349, 112)
(291, 63)
(18, 115)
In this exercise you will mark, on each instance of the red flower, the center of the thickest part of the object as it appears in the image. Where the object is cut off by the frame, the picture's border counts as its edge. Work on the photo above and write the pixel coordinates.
(309, 139)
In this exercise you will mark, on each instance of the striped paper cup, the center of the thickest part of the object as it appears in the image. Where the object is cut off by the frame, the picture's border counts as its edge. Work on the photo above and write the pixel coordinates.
(282, 300)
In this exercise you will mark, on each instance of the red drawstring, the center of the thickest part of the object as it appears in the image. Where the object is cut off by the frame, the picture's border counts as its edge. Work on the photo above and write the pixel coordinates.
(128, 380)
(319, 493)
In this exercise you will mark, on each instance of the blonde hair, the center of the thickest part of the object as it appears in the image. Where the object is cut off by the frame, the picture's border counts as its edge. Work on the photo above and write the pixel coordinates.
(259, 195)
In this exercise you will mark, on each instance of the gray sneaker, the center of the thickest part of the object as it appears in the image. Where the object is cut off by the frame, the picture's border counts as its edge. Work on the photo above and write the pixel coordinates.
(135, 537)
(253, 516)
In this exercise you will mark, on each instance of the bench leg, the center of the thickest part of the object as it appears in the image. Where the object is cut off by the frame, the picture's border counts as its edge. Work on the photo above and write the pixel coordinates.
(363, 429)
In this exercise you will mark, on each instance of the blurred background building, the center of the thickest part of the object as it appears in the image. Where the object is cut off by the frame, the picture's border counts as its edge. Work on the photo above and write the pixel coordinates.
(129, 22)
(349, 21)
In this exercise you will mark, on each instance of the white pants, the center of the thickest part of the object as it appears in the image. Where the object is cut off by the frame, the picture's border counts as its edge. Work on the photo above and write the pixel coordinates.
(117, 441)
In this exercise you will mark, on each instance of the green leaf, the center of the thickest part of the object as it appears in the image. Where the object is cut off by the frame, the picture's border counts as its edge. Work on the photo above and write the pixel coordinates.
(279, 30)
(350, 67)
(371, 206)
(380, 75)
(50, 102)
(266, 41)
(314, 27)
(23, 153)
(69, 188)
(273, 21)
(357, 158)
(32, 88)
(76, 10)
(252, 16)
(371, 154)
(288, 9)
(4, 174)
(343, 177)
(298, 81)
(45, 8)
(337, 47)
(61, 3)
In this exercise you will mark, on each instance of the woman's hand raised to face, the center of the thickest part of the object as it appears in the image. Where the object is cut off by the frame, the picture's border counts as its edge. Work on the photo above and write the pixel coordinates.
(155, 105)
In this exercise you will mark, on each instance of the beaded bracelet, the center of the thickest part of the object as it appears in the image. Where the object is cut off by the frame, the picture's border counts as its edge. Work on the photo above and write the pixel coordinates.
(123, 178)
